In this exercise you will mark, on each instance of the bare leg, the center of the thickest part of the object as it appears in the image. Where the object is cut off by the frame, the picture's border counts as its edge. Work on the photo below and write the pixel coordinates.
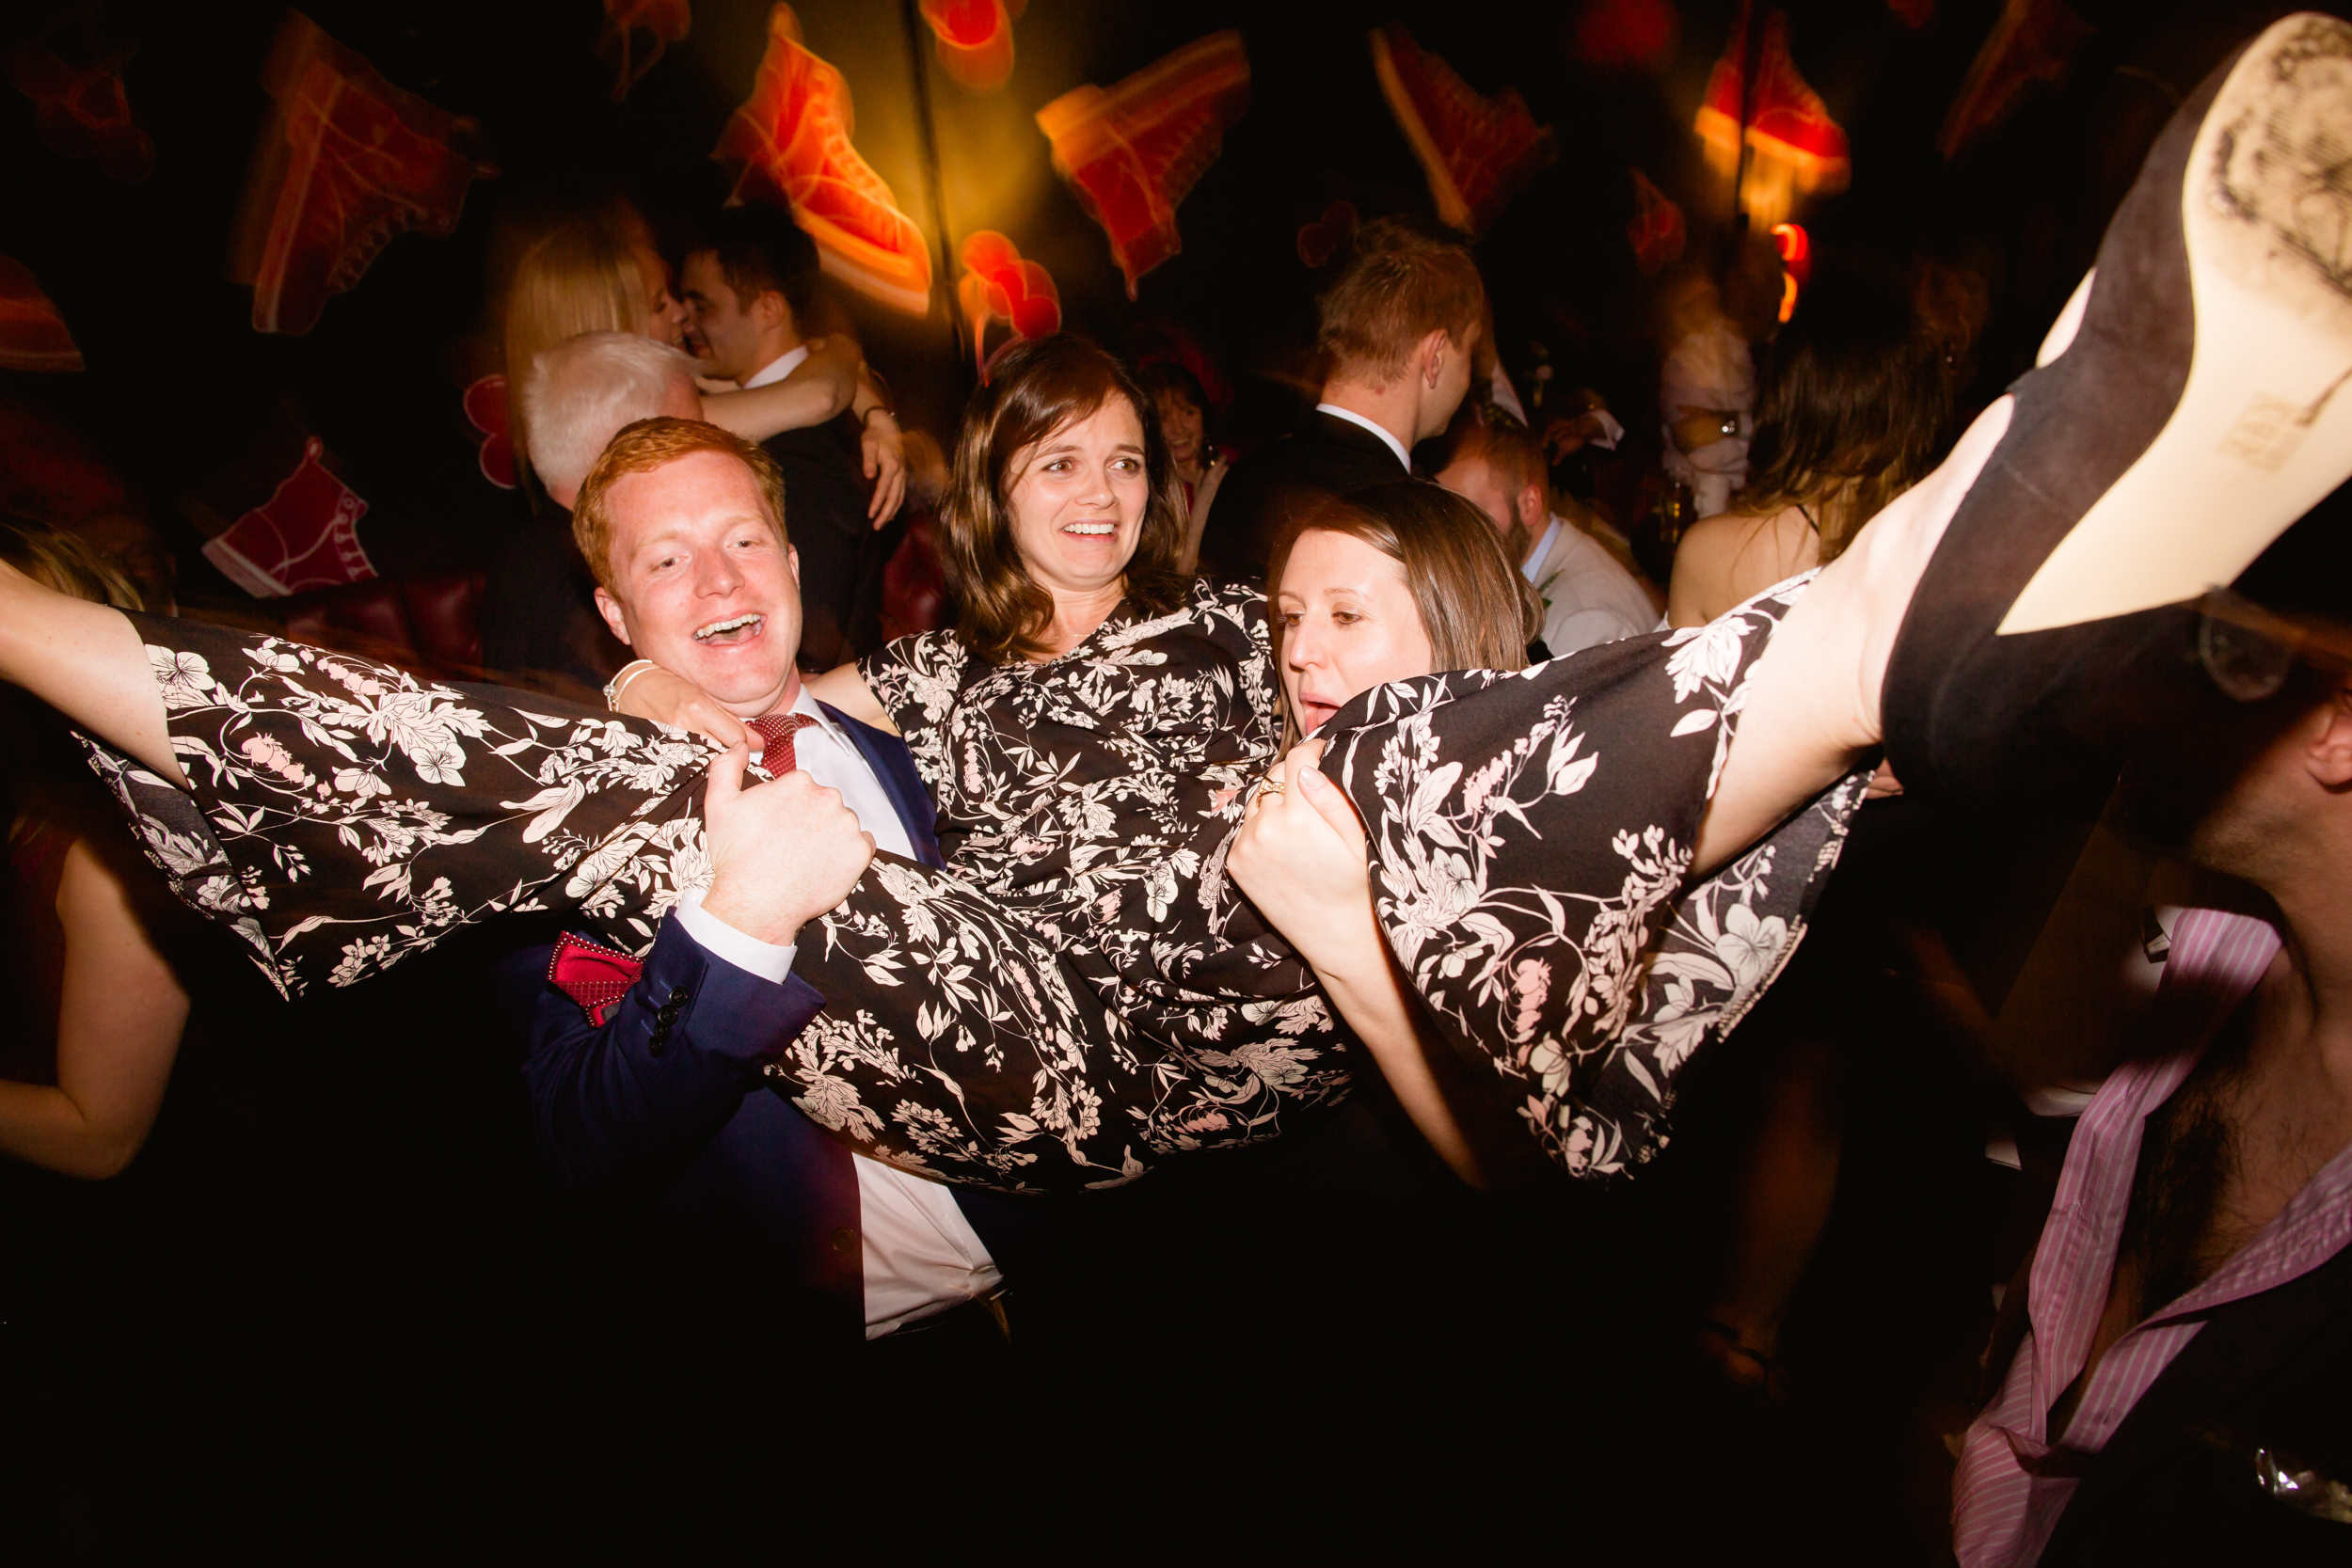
(86, 661)
(1812, 706)
(1782, 1191)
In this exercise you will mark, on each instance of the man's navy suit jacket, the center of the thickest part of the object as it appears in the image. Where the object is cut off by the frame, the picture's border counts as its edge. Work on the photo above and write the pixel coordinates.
(692, 1120)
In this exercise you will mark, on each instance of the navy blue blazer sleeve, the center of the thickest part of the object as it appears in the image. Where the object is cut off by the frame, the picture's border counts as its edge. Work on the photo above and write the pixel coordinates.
(630, 1104)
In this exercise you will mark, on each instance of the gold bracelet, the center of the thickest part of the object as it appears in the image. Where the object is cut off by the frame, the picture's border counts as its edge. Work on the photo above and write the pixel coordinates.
(619, 683)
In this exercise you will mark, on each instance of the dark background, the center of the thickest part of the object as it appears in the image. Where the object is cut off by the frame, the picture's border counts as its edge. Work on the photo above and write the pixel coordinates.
(179, 383)
(336, 1304)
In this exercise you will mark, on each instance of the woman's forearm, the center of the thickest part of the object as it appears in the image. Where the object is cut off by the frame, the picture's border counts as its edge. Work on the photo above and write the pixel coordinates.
(86, 661)
(1360, 978)
(44, 1126)
(119, 1016)
(819, 387)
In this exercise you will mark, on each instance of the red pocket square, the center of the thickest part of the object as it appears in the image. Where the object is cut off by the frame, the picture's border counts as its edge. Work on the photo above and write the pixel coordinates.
(594, 975)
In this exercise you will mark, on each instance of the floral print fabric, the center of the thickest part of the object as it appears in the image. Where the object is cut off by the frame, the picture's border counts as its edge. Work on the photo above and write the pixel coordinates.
(1080, 993)
(1532, 837)
(1061, 978)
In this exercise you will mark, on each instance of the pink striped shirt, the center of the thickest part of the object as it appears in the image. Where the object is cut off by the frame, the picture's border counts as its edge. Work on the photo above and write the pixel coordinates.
(2002, 1512)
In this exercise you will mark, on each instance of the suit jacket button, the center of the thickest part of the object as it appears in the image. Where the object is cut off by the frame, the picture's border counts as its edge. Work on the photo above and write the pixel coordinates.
(845, 1240)
(677, 995)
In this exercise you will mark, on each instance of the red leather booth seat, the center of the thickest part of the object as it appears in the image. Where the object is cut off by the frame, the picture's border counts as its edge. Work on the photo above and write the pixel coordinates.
(432, 621)
(915, 594)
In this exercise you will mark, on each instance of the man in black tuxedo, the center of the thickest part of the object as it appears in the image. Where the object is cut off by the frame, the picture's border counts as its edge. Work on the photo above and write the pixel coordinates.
(646, 1078)
(1400, 329)
(750, 294)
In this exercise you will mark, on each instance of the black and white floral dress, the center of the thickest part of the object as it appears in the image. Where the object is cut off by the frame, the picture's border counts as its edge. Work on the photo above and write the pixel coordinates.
(1080, 993)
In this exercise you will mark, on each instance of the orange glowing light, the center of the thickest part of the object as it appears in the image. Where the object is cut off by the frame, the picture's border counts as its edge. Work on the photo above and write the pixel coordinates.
(1795, 149)
(790, 144)
(1130, 152)
(1796, 263)
(1478, 153)
(974, 39)
(999, 285)
(1796, 249)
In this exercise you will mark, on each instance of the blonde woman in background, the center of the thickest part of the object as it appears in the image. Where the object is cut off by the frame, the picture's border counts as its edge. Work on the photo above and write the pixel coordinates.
(603, 274)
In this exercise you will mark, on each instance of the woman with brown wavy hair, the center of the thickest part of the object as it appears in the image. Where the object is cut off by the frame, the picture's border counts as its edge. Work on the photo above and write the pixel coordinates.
(1850, 414)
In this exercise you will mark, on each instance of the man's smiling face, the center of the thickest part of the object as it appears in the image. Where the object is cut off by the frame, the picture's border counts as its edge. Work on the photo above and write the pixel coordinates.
(701, 583)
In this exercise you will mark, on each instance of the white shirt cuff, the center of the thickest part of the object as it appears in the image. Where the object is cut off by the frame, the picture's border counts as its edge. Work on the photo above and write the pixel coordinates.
(720, 940)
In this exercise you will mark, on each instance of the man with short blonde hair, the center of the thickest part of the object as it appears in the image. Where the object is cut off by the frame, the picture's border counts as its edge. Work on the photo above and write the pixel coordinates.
(1400, 328)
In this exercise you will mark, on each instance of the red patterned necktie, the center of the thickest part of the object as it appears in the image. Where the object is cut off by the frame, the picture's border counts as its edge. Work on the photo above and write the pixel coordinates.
(594, 975)
(775, 731)
(597, 977)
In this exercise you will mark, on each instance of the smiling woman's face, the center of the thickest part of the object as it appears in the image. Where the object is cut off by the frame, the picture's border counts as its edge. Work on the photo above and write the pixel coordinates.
(1348, 624)
(1078, 501)
(1179, 425)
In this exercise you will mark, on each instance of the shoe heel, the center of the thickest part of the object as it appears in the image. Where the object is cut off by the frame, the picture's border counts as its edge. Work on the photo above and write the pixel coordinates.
(2262, 428)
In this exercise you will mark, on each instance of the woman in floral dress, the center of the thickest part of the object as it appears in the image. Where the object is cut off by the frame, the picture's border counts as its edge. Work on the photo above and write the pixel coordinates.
(1080, 994)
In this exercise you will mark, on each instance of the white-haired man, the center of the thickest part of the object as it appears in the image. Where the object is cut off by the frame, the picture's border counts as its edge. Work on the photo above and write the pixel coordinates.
(540, 621)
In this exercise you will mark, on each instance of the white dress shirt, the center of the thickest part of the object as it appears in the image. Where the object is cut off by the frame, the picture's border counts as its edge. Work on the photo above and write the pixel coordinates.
(1588, 599)
(921, 1255)
(1404, 458)
(774, 371)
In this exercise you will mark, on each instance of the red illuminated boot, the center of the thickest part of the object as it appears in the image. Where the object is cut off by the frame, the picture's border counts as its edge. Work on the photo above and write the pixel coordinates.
(1790, 121)
(305, 535)
(1130, 152)
(1786, 123)
(1478, 153)
(354, 162)
(790, 144)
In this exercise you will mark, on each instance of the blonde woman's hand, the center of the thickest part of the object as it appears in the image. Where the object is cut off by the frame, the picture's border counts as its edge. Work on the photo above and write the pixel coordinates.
(667, 699)
(1300, 857)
